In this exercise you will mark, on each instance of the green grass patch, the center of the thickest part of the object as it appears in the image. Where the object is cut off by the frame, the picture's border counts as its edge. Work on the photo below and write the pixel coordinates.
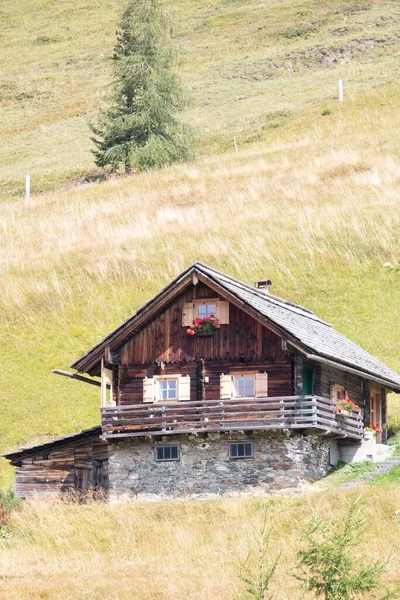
(343, 473)
(392, 477)
(395, 441)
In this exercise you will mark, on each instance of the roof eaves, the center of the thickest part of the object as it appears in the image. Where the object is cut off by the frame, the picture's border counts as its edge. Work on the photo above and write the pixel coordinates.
(82, 363)
(85, 433)
(392, 384)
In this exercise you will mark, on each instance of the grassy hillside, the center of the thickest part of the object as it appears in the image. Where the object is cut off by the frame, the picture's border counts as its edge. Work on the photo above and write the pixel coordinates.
(316, 212)
(177, 550)
(252, 67)
(310, 201)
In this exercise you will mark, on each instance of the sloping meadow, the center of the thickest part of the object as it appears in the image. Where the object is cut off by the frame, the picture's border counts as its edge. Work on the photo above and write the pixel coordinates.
(316, 212)
(181, 550)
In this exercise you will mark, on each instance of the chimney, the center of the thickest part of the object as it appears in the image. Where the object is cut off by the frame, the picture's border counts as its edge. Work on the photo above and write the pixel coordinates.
(263, 284)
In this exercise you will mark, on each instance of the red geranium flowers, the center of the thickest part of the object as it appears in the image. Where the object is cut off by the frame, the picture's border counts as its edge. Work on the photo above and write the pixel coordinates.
(345, 404)
(207, 325)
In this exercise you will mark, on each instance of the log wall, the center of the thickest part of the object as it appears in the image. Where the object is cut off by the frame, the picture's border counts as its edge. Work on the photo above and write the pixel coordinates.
(353, 384)
(130, 385)
(165, 339)
(73, 467)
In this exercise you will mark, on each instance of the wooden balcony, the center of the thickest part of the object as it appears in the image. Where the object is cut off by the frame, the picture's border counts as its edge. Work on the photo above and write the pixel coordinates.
(308, 414)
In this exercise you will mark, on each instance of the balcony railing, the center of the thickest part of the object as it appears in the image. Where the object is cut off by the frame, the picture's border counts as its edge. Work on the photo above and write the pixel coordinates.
(313, 414)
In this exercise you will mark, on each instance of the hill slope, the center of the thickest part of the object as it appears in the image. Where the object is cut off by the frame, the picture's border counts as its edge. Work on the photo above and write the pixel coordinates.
(311, 203)
(250, 66)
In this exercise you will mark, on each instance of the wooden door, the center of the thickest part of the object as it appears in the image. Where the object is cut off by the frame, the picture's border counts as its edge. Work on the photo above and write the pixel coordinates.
(308, 380)
(100, 475)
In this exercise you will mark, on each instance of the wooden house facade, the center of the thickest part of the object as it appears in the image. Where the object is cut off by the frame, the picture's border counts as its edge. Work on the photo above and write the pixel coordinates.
(215, 387)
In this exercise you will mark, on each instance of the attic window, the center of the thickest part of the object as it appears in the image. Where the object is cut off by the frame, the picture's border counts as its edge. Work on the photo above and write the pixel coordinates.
(206, 310)
(203, 308)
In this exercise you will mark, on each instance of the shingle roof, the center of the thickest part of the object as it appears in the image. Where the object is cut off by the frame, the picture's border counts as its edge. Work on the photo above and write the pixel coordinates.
(312, 334)
(311, 331)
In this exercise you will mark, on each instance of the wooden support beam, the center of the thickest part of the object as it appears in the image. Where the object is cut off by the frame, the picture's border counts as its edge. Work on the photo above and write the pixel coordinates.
(75, 376)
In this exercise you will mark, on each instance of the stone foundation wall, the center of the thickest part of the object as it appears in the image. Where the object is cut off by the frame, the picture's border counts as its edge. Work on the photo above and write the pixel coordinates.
(281, 460)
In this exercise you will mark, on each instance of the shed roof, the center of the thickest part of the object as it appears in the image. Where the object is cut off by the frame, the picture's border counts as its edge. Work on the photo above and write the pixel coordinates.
(310, 334)
(18, 455)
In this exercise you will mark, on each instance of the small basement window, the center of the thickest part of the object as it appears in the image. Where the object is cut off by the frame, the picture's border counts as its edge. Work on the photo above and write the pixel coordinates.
(167, 452)
(241, 450)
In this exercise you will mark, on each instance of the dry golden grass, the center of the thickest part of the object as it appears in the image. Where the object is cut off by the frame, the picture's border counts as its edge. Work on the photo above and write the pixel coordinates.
(248, 66)
(339, 199)
(178, 550)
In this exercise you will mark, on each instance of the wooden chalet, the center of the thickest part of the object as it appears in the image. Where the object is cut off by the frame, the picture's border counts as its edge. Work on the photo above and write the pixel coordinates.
(209, 371)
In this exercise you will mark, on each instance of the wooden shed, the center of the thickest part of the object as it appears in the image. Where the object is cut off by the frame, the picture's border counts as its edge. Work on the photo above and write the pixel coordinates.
(76, 462)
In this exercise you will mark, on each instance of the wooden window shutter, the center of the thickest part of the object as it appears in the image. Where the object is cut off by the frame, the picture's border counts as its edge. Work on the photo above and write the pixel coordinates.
(223, 312)
(226, 386)
(261, 385)
(107, 394)
(187, 314)
(184, 388)
(148, 390)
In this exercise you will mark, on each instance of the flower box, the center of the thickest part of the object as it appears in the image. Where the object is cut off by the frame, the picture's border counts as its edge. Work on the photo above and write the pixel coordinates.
(206, 333)
(203, 327)
(342, 412)
(345, 407)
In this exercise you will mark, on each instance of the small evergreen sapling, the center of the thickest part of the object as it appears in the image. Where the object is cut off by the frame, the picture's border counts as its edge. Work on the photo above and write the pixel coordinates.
(329, 563)
(139, 129)
(257, 579)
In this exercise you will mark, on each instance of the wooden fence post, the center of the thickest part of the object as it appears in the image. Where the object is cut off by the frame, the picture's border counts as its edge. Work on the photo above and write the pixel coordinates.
(341, 93)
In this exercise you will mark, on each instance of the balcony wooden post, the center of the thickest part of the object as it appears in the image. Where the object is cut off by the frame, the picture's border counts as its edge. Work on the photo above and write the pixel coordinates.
(314, 410)
(221, 406)
(282, 413)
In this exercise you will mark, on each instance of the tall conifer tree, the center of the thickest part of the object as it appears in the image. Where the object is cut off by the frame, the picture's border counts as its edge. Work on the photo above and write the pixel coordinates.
(139, 129)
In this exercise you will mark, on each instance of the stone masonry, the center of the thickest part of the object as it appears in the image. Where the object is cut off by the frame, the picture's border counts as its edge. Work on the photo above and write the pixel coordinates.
(282, 460)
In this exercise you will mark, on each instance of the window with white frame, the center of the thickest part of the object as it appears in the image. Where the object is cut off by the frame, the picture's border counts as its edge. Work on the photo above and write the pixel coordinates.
(241, 450)
(168, 389)
(107, 388)
(245, 386)
(206, 310)
(167, 452)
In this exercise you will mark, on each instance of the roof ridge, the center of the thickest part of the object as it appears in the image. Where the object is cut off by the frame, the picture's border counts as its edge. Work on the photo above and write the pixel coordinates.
(269, 297)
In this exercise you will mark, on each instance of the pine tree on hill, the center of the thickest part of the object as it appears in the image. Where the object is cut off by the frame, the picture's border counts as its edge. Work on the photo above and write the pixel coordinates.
(139, 129)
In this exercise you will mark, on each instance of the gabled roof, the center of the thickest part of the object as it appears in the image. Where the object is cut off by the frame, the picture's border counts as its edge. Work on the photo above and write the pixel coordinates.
(302, 328)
